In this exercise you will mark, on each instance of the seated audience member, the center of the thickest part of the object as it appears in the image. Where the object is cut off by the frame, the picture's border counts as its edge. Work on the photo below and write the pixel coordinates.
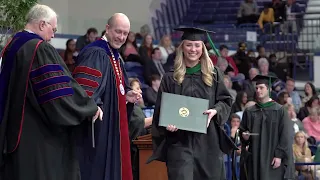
(166, 48)
(263, 65)
(283, 98)
(249, 85)
(280, 69)
(248, 12)
(70, 54)
(129, 47)
(241, 59)
(302, 154)
(228, 84)
(297, 124)
(136, 85)
(266, 16)
(89, 37)
(152, 91)
(252, 59)
(145, 50)
(312, 123)
(240, 102)
(227, 65)
(153, 66)
(305, 111)
(296, 100)
(277, 87)
(309, 91)
(234, 124)
(261, 53)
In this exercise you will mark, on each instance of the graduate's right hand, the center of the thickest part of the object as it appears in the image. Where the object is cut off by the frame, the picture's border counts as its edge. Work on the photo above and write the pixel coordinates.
(246, 135)
(172, 128)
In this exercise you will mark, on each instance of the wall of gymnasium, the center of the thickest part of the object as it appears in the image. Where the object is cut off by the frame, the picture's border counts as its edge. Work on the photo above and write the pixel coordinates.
(76, 16)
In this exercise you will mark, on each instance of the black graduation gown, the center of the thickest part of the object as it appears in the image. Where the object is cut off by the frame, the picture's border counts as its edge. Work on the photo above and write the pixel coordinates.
(188, 155)
(275, 140)
(44, 105)
(96, 73)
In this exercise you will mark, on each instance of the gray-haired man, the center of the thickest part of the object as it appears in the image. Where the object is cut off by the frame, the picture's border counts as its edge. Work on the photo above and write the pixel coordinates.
(40, 105)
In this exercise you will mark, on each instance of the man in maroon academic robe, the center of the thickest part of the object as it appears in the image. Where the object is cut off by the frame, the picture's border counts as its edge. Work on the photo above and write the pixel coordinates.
(105, 151)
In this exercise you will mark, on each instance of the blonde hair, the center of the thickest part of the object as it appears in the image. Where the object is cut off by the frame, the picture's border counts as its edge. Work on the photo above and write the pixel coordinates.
(305, 145)
(206, 66)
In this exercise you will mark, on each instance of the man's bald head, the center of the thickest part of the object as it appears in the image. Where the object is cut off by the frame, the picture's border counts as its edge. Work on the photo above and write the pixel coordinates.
(118, 17)
(117, 30)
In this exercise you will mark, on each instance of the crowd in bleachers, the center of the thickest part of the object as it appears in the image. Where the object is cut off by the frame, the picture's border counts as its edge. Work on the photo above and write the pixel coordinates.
(273, 21)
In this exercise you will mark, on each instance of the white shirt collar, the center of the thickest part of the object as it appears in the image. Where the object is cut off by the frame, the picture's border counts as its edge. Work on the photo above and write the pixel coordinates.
(105, 38)
(29, 31)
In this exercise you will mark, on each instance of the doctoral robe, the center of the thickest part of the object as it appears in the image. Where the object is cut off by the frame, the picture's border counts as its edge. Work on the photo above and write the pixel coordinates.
(109, 159)
(189, 155)
(275, 139)
(41, 106)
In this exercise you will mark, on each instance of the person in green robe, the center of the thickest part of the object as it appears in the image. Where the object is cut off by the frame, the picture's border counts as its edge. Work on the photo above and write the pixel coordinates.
(266, 137)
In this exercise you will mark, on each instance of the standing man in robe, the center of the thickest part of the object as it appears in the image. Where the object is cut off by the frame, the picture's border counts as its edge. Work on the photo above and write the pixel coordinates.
(105, 152)
(267, 153)
(40, 105)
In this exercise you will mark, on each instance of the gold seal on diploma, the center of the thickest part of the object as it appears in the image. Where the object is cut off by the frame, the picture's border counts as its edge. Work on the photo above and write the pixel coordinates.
(184, 112)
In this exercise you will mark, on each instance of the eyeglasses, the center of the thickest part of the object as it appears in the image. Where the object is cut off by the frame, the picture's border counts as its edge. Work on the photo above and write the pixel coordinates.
(53, 29)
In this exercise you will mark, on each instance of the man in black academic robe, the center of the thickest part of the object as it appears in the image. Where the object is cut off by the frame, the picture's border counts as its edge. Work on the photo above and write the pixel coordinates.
(40, 106)
(267, 152)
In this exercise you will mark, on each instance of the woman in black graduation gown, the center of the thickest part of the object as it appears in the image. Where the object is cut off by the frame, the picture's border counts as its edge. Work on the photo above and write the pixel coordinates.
(189, 155)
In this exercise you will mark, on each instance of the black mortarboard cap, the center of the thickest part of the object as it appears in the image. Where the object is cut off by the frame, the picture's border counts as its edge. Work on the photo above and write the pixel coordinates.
(261, 79)
(267, 80)
(192, 33)
(196, 34)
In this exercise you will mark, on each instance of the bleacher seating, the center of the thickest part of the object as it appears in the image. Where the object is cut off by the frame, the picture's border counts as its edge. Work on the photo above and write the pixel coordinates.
(221, 16)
